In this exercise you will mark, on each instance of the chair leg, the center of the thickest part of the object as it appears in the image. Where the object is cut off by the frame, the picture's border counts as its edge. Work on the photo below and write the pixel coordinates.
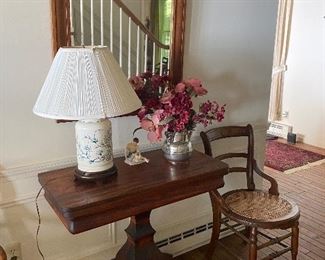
(295, 241)
(253, 244)
(215, 229)
(247, 233)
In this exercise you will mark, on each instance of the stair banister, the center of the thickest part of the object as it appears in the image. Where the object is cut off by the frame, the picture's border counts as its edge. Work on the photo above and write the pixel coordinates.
(62, 25)
(129, 13)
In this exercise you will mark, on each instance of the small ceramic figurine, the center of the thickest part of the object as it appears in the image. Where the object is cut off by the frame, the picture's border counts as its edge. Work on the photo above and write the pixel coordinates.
(132, 153)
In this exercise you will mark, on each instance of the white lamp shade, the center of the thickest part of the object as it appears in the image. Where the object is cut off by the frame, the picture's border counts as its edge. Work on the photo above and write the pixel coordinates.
(85, 83)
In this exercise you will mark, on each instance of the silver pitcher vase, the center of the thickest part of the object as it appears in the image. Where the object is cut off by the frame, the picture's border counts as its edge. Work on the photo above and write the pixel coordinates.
(177, 146)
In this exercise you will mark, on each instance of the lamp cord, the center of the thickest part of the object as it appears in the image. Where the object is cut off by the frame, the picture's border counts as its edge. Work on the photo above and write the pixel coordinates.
(39, 220)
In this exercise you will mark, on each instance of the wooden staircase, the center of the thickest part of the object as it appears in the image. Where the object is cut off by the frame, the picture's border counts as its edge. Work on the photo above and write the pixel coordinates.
(112, 23)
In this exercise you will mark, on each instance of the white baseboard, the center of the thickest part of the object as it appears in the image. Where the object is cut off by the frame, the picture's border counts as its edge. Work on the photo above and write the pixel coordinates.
(177, 248)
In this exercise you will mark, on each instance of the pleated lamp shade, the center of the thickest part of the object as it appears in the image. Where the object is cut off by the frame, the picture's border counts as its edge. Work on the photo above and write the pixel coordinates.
(85, 83)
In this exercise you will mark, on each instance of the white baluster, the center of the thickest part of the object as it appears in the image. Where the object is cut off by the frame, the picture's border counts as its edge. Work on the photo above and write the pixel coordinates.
(82, 22)
(101, 22)
(92, 21)
(145, 52)
(168, 61)
(71, 24)
(153, 57)
(121, 38)
(111, 26)
(161, 62)
(138, 50)
(129, 49)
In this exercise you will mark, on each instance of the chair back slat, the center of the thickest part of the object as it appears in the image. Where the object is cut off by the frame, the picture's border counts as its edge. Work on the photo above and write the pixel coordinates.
(232, 155)
(229, 132)
(237, 169)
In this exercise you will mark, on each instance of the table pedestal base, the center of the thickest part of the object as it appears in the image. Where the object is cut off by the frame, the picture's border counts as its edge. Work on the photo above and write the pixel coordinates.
(140, 244)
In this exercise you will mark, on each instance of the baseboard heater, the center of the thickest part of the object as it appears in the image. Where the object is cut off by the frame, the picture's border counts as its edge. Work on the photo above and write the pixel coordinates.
(279, 129)
(190, 233)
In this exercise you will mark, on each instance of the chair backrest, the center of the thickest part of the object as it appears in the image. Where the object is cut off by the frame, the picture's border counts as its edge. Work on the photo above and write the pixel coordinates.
(228, 132)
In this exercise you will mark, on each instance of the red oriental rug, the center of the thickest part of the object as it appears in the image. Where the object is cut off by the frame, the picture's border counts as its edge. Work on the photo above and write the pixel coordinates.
(288, 159)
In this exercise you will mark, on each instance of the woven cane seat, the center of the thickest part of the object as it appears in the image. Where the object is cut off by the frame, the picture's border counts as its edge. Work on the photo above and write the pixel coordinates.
(257, 205)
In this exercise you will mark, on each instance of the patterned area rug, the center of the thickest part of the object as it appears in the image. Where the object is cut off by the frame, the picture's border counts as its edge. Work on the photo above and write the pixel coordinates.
(288, 159)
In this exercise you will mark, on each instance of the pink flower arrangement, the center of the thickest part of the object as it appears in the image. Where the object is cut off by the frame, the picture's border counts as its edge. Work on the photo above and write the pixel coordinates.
(167, 107)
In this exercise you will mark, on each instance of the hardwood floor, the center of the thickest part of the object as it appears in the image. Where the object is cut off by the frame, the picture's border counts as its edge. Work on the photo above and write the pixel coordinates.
(307, 189)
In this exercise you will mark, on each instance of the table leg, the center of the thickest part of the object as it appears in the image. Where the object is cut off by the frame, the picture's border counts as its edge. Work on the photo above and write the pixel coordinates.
(140, 243)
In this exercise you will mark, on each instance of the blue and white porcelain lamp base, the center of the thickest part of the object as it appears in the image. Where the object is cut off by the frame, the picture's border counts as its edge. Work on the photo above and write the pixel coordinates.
(94, 149)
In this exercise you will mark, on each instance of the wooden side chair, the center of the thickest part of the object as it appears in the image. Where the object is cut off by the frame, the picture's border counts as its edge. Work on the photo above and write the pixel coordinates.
(255, 209)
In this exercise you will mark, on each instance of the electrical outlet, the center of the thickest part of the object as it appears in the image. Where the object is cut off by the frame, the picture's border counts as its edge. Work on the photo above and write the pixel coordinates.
(13, 251)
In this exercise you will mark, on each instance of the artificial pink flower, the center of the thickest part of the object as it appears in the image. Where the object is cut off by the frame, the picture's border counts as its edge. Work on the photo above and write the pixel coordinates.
(152, 103)
(200, 91)
(173, 110)
(147, 125)
(196, 85)
(142, 112)
(157, 116)
(155, 130)
(156, 81)
(208, 112)
(146, 75)
(155, 136)
(136, 82)
(166, 98)
(180, 87)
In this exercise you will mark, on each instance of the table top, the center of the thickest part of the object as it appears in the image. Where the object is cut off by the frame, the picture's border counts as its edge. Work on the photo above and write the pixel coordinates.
(134, 189)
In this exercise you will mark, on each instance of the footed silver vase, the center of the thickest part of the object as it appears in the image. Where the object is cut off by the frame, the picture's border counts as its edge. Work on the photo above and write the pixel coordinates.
(177, 146)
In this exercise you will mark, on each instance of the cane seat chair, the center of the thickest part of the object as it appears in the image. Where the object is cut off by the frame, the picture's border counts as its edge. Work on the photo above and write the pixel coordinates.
(252, 208)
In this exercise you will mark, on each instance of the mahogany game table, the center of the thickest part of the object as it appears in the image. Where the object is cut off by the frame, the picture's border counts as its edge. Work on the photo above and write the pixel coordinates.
(133, 192)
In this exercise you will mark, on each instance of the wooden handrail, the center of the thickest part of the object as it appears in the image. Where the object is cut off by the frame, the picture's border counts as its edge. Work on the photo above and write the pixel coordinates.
(129, 13)
(61, 32)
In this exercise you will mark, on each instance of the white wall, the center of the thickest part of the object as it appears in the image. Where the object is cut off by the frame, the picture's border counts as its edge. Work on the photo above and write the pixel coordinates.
(304, 85)
(25, 60)
(228, 45)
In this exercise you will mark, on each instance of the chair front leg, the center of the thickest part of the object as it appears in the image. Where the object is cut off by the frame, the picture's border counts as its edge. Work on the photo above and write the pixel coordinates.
(253, 244)
(295, 241)
(216, 226)
(247, 233)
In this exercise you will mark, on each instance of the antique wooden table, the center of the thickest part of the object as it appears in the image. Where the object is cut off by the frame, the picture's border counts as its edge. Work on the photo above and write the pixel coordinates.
(133, 192)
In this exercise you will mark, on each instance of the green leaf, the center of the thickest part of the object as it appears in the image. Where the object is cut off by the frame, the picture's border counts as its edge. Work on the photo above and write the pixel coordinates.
(166, 120)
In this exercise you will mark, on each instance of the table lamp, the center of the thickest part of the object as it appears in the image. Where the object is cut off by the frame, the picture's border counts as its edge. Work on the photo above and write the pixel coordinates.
(88, 85)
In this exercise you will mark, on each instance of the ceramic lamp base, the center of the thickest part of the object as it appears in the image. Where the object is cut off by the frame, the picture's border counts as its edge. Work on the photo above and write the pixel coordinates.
(94, 145)
(95, 176)
(94, 150)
